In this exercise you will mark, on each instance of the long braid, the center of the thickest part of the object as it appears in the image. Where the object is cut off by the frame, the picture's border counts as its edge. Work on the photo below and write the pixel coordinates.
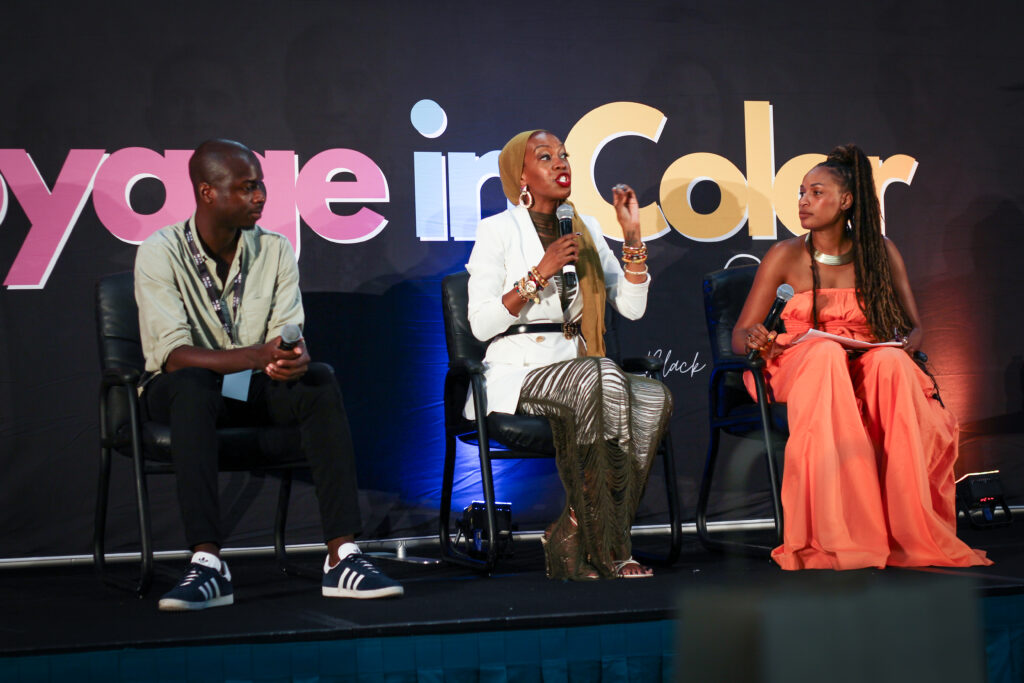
(873, 275)
(816, 283)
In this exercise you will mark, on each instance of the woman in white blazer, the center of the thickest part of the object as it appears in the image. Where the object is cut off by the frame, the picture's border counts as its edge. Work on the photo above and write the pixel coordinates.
(546, 351)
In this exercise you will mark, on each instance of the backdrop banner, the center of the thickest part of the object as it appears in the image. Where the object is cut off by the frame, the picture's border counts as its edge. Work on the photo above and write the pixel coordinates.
(379, 125)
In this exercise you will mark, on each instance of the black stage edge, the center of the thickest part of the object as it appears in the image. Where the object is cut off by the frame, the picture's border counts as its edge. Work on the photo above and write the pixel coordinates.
(59, 610)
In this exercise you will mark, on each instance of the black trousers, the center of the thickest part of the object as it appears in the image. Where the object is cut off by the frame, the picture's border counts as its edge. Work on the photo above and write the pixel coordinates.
(190, 402)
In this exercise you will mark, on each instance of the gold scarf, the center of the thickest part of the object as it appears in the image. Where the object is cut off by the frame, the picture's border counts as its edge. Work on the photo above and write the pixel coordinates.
(588, 265)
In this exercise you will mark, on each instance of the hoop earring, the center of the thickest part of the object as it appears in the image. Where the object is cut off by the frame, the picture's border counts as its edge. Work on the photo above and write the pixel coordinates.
(525, 198)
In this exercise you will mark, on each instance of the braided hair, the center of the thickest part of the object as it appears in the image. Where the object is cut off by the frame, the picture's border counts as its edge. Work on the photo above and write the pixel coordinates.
(873, 275)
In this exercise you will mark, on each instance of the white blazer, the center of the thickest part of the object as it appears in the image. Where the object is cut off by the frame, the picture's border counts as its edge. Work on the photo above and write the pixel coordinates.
(506, 247)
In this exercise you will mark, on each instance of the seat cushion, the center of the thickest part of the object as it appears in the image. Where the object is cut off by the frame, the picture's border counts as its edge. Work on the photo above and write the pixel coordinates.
(241, 448)
(523, 436)
(522, 433)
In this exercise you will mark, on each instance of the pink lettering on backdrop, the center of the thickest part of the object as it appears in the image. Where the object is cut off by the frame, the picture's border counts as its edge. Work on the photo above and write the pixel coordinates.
(110, 179)
(3, 198)
(280, 170)
(118, 175)
(125, 167)
(317, 190)
(51, 214)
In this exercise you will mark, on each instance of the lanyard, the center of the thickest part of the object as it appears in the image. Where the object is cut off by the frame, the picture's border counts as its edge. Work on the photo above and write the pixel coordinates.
(207, 279)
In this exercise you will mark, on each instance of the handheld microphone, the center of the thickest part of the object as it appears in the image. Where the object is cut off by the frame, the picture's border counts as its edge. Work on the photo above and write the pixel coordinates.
(290, 336)
(564, 213)
(782, 296)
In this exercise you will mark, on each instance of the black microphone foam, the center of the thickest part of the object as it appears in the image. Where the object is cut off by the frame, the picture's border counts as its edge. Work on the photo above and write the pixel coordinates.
(564, 214)
(782, 296)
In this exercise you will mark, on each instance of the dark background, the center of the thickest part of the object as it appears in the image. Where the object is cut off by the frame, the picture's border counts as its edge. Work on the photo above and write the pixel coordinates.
(939, 81)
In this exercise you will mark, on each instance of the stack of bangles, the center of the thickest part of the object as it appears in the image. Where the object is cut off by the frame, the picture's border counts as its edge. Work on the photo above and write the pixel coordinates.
(528, 288)
(635, 255)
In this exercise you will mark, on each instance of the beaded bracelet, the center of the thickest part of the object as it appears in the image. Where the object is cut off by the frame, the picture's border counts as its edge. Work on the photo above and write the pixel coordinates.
(524, 293)
(518, 286)
(632, 254)
(536, 277)
(637, 272)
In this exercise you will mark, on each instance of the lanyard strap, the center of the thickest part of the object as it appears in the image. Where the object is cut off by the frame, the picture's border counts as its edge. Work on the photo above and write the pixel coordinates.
(207, 279)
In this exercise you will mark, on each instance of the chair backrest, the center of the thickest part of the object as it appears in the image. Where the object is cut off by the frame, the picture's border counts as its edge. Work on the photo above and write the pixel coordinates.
(117, 322)
(120, 346)
(725, 292)
(455, 305)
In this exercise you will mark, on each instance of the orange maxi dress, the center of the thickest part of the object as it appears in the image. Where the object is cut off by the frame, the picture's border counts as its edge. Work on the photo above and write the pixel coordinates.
(868, 475)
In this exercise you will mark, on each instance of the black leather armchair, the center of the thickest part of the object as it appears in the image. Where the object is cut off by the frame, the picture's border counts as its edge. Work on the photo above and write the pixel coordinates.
(730, 408)
(123, 430)
(500, 435)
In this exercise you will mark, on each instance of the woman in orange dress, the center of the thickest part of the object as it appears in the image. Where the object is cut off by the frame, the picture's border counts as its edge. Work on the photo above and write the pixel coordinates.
(868, 476)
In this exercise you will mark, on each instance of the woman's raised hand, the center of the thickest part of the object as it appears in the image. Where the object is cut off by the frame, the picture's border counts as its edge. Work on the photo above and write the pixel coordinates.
(627, 211)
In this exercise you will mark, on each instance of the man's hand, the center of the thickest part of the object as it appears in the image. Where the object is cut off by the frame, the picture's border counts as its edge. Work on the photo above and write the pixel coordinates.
(285, 366)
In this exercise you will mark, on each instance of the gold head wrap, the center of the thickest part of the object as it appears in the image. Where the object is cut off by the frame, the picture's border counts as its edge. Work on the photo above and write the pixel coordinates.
(588, 265)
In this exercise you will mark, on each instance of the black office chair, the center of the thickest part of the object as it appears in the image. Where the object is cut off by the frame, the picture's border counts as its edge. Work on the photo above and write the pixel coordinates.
(148, 444)
(730, 408)
(500, 435)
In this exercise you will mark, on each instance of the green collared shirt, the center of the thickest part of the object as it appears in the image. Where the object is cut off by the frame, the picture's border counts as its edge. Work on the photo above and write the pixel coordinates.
(175, 309)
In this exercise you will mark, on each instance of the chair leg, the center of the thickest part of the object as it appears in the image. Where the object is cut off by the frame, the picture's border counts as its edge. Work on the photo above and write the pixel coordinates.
(447, 483)
(286, 566)
(672, 496)
(705, 491)
(706, 540)
(281, 520)
(100, 522)
(769, 445)
(141, 501)
(773, 478)
(448, 551)
(487, 481)
(145, 530)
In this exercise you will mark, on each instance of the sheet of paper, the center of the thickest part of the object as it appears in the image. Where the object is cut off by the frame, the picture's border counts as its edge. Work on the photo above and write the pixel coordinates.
(845, 341)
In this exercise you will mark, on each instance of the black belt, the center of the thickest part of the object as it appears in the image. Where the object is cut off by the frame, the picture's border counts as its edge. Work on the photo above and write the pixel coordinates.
(568, 330)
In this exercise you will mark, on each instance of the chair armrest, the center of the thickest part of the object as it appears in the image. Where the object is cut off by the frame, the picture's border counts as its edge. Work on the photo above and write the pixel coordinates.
(643, 364)
(455, 385)
(467, 365)
(734, 363)
(120, 377)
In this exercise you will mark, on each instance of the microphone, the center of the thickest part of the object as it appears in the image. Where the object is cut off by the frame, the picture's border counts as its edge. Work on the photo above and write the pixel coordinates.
(782, 296)
(564, 213)
(290, 336)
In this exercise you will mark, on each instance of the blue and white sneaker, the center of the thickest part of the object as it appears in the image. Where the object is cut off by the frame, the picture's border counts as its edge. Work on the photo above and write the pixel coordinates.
(207, 583)
(356, 577)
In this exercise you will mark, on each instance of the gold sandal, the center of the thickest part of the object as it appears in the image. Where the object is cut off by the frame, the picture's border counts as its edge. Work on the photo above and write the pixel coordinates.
(561, 554)
(646, 572)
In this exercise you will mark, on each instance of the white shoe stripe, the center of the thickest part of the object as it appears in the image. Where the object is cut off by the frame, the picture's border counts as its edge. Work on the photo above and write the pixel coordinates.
(355, 586)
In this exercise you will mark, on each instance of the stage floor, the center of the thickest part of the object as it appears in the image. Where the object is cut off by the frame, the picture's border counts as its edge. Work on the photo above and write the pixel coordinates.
(66, 609)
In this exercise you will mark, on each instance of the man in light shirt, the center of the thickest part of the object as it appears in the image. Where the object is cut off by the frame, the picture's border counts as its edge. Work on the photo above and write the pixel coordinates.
(214, 294)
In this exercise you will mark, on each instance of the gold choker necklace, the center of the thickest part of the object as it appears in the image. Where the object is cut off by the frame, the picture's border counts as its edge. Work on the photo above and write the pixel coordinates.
(829, 259)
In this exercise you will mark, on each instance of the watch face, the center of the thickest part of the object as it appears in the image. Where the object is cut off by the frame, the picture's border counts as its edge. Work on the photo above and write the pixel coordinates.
(531, 286)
